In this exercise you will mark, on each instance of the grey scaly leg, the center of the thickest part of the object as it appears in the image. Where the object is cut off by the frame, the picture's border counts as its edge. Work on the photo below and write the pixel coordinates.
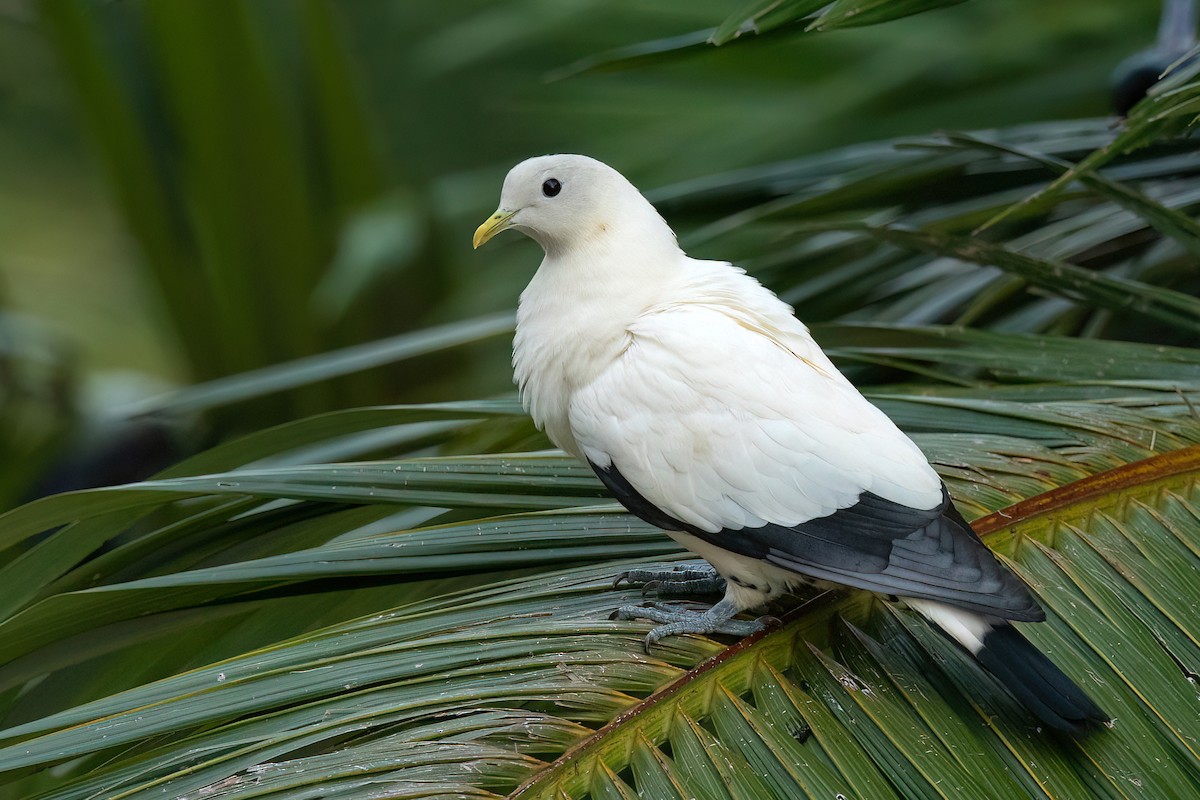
(718, 619)
(680, 581)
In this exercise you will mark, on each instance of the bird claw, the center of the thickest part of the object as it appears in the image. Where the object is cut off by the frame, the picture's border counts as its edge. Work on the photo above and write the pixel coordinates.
(674, 621)
(679, 581)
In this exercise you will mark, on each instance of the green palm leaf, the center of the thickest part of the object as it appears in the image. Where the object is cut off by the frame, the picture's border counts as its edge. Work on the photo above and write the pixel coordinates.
(527, 681)
(973, 228)
(757, 19)
(223, 643)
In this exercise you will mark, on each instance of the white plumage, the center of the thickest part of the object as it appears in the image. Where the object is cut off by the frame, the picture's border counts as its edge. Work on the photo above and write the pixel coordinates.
(707, 407)
(703, 386)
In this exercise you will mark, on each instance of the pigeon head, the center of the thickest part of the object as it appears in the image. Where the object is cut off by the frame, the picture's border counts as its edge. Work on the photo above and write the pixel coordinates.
(563, 202)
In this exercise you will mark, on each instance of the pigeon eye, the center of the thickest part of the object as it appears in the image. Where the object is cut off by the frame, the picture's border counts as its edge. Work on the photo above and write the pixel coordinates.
(551, 187)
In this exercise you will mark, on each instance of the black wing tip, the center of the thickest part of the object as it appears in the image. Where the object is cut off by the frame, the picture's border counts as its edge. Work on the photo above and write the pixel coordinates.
(1030, 613)
(1037, 683)
(1036, 614)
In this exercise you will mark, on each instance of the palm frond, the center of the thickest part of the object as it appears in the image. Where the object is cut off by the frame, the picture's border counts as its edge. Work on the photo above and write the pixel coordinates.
(486, 641)
(1112, 246)
(757, 19)
(527, 682)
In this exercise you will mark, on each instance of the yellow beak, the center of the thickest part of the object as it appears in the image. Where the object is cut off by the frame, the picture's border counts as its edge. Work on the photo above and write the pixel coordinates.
(492, 225)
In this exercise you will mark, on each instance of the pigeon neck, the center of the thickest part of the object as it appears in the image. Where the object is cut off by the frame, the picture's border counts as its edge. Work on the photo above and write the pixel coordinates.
(628, 229)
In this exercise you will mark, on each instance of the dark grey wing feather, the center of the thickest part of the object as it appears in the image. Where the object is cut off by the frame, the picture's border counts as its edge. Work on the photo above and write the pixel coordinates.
(875, 544)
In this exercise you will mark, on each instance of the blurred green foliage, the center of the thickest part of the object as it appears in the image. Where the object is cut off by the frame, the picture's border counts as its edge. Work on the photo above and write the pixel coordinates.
(446, 97)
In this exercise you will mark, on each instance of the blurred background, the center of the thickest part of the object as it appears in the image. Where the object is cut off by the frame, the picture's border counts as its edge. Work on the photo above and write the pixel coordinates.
(199, 189)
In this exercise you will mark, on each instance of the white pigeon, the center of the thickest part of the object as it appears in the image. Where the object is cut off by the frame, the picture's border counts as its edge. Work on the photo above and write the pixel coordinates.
(708, 410)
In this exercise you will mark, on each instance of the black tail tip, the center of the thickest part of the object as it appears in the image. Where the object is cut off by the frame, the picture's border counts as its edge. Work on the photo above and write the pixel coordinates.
(1039, 685)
